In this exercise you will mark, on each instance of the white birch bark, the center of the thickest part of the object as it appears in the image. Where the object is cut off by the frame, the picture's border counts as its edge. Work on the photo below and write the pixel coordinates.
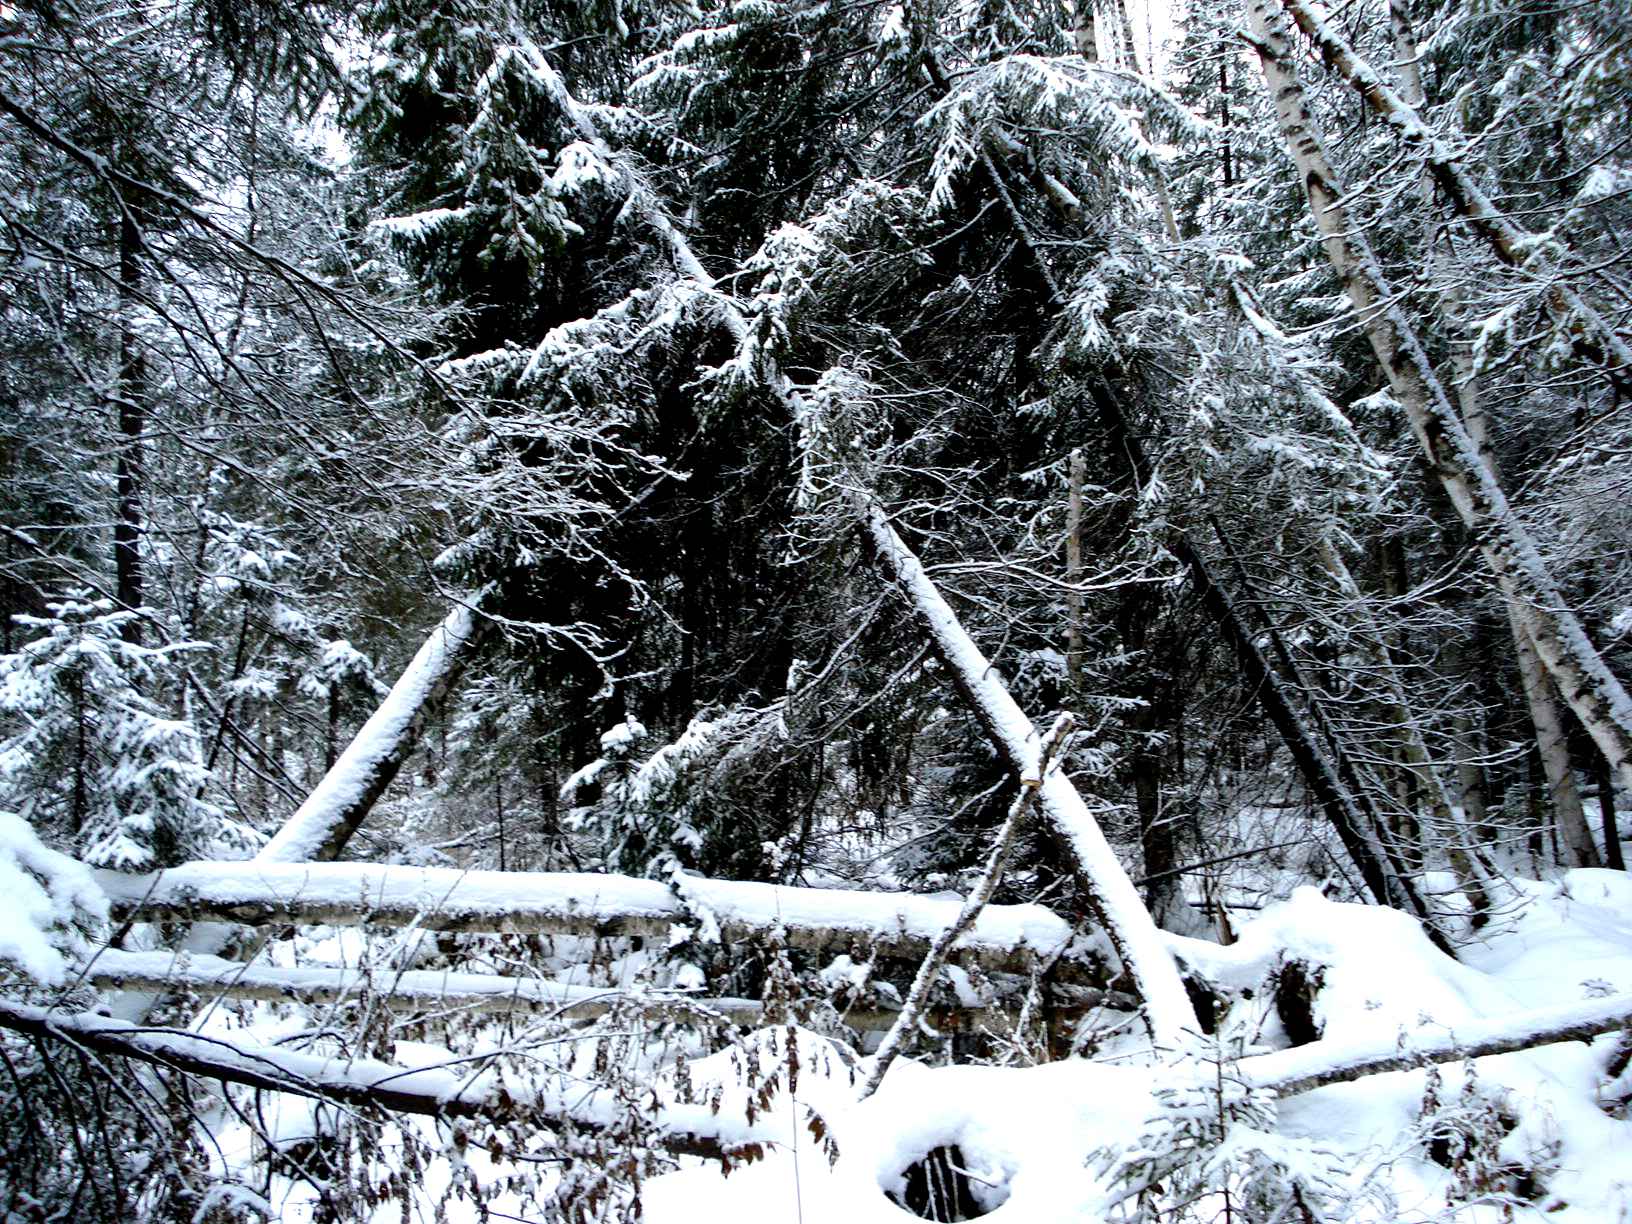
(1586, 683)
(1005, 938)
(1546, 719)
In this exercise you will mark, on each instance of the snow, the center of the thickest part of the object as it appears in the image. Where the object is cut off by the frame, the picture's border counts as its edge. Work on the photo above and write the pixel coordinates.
(302, 838)
(1060, 1142)
(44, 897)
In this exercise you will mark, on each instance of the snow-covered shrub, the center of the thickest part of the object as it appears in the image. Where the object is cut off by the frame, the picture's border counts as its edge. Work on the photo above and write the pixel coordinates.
(1214, 1152)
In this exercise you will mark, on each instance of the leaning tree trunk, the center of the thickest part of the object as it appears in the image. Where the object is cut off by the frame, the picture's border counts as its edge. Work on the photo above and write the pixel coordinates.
(1586, 683)
(342, 799)
(1594, 338)
(321, 826)
(1110, 893)
(1547, 720)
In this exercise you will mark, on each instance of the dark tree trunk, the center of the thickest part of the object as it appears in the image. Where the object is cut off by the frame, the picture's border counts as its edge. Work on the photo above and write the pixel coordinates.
(132, 409)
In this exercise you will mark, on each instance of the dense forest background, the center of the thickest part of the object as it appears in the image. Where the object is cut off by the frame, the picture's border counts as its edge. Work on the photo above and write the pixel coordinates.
(1269, 413)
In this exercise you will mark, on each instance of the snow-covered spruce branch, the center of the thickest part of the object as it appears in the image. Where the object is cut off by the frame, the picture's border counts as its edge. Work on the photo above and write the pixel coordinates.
(1592, 691)
(1012, 938)
(462, 1088)
(445, 992)
(930, 970)
(1113, 897)
(1114, 900)
(1513, 245)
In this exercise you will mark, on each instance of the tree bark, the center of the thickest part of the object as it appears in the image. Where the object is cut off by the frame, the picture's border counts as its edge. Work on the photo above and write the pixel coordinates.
(1007, 938)
(1595, 338)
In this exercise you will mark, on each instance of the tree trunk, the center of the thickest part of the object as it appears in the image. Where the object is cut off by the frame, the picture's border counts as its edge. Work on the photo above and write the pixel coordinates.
(1594, 338)
(1606, 811)
(1073, 574)
(1553, 747)
(321, 826)
(131, 389)
(1587, 684)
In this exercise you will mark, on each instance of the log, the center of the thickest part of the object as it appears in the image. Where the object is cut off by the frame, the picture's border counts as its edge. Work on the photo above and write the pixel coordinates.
(1289, 1072)
(444, 991)
(458, 1089)
(1098, 873)
(1006, 938)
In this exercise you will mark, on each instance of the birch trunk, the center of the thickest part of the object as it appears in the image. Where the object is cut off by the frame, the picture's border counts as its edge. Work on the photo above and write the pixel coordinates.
(1512, 244)
(1553, 746)
(1586, 683)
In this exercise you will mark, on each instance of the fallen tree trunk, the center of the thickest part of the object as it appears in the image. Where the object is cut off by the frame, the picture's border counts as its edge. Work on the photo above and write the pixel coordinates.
(1006, 938)
(454, 1090)
(444, 991)
(461, 1090)
(1110, 894)
(1319, 1063)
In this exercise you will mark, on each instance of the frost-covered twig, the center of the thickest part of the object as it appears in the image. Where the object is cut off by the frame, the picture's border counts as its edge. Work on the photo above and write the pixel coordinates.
(930, 969)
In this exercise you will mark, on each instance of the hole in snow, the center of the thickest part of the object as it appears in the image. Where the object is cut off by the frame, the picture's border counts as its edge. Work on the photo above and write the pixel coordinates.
(944, 1186)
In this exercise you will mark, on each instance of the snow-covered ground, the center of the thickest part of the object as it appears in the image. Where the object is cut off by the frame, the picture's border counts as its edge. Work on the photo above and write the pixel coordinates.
(1539, 1134)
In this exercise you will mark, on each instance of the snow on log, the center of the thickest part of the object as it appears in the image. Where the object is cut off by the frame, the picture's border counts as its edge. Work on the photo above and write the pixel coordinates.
(461, 1089)
(443, 991)
(1008, 938)
(1111, 894)
(323, 824)
(1311, 1066)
